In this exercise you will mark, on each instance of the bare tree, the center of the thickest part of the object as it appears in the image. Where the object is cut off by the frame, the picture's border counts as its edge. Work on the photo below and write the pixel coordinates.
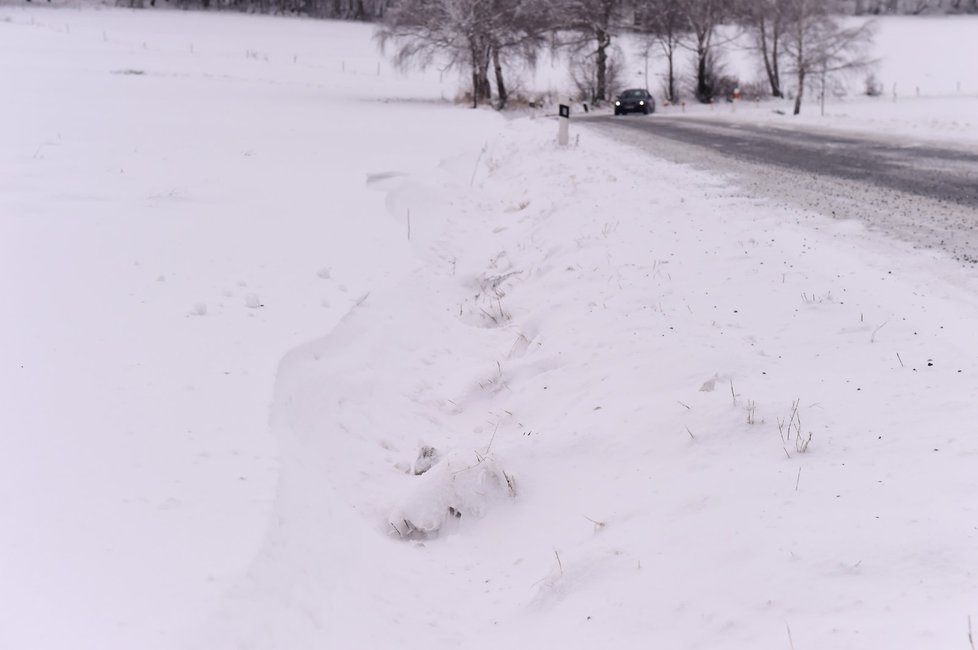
(423, 30)
(664, 24)
(591, 23)
(703, 17)
(816, 43)
(519, 31)
(472, 34)
(767, 21)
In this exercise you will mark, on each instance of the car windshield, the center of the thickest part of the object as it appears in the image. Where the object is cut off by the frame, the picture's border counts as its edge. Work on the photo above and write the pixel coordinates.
(633, 94)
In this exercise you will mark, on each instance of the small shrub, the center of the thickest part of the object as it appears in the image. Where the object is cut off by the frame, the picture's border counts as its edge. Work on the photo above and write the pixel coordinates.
(725, 85)
(874, 87)
(716, 83)
(754, 91)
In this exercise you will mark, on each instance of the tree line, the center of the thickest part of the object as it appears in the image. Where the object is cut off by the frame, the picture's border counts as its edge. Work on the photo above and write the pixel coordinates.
(361, 10)
(795, 41)
(912, 7)
(374, 10)
(803, 39)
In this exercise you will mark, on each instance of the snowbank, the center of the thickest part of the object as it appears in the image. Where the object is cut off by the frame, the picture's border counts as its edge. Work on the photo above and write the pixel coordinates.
(665, 413)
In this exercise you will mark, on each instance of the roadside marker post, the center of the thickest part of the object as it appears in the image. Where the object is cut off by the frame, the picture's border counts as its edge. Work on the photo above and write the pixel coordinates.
(562, 125)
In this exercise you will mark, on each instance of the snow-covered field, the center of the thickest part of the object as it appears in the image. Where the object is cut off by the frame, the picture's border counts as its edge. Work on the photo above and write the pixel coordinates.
(243, 292)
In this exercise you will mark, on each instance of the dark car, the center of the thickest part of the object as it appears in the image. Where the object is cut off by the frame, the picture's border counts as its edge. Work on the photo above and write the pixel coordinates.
(636, 100)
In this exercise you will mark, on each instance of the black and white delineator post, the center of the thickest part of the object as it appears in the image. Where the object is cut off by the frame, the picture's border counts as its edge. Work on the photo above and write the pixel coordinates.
(562, 125)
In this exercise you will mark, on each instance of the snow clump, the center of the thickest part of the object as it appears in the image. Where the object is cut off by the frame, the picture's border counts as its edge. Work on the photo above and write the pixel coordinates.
(461, 486)
(428, 457)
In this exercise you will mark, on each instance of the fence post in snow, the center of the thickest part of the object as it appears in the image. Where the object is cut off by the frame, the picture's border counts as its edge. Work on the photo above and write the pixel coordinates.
(562, 125)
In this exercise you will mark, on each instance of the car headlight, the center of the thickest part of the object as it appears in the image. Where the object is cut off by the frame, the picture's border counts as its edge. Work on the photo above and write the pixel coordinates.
(617, 103)
(641, 102)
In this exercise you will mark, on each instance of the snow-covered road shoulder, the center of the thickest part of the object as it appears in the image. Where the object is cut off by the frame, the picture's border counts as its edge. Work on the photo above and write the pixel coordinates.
(618, 402)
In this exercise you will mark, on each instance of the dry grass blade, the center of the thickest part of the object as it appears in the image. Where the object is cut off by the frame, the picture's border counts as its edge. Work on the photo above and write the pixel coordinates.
(598, 525)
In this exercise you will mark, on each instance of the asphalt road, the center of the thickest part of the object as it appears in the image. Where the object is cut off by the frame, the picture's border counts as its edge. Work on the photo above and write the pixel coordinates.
(943, 174)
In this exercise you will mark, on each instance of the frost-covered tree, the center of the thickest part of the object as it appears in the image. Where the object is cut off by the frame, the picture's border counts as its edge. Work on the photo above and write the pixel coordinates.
(663, 22)
(703, 17)
(470, 34)
(912, 7)
(368, 10)
(817, 43)
(766, 21)
(452, 31)
(519, 32)
(590, 25)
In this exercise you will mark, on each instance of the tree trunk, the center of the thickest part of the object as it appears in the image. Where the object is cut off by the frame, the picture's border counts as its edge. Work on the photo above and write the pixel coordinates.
(481, 90)
(500, 84)
(801, 89)
(770, 58)
(485, 58)
(601, 64)
(702, 92)
(669, 50)
(704, 84)
(475, 88)
(474, 53)
(671, 90)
